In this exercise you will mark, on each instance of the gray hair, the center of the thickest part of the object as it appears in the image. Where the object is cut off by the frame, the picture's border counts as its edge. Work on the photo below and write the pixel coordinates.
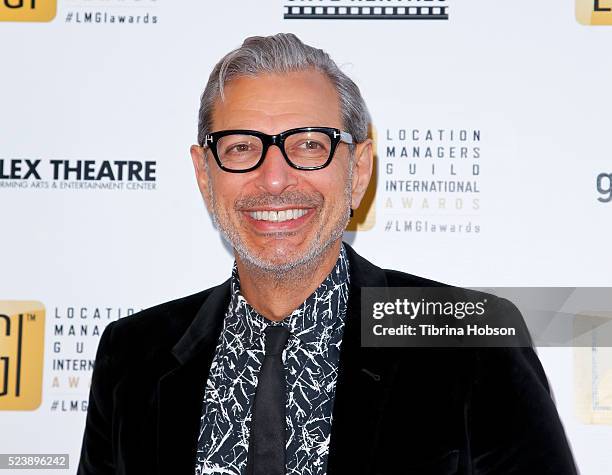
(283, 53)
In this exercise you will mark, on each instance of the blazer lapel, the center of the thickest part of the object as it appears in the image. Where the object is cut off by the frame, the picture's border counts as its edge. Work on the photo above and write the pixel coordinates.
(181, 389)
(364, 378)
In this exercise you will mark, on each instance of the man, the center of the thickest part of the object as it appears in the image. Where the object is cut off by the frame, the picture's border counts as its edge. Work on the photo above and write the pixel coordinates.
(265, 372)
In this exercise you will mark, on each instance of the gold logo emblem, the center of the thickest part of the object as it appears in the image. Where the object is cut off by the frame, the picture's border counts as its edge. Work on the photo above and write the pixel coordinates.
(27, 10)
(593, 367)
(594, 12)
(365, 216)
(22, 334)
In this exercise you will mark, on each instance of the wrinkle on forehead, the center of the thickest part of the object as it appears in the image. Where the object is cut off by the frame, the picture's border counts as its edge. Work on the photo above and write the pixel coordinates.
(272, 103)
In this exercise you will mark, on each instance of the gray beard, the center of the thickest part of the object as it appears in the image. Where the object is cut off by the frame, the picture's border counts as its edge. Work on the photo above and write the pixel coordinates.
(294, 270)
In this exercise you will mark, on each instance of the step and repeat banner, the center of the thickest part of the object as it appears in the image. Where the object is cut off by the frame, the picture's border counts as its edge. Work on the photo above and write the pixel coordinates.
(492, 128)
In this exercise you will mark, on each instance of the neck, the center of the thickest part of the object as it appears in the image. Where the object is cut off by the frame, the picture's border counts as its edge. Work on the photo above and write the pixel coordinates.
(274, 296)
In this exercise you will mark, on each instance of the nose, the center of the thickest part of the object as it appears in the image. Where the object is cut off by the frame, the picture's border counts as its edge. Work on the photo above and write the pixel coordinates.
(275, 175)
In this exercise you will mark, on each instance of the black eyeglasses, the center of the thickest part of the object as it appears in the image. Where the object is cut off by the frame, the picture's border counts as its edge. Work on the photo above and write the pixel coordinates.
(304, 148)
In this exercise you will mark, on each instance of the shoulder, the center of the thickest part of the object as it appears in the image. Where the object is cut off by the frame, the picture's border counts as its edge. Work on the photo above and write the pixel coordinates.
(367, 274)
(155, 328)
(518, 363)
(396, 278)
(497, 306)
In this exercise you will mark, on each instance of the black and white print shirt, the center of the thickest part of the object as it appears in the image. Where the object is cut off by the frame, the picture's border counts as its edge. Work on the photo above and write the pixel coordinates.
(311, 367)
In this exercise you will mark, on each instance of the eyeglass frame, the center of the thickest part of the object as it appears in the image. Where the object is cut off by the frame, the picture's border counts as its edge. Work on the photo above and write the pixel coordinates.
(336, 136)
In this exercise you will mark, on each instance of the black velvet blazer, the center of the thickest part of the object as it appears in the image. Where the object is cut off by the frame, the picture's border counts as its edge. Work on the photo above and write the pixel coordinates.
(397, 411)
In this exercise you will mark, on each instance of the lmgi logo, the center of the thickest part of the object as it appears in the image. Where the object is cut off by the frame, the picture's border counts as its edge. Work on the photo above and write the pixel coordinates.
(366, 10)
(594, 12)
(22, 328)
(27, 10)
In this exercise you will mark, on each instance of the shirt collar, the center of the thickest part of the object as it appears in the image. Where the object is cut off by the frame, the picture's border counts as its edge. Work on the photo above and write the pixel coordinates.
(312, 322)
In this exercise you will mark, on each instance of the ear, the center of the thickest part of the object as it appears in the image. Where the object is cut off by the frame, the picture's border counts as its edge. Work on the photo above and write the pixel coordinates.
(362, 171)
(198, 157)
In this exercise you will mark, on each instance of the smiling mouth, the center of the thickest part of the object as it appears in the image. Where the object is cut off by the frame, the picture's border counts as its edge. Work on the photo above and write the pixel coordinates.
(278, 216)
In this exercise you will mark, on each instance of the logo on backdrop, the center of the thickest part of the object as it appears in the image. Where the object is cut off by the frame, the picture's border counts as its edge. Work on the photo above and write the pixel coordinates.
(375, 10)
(604, 187)
(27, 10)
(63, 174)
(364, 218)
(86, 12)
(430, 180)
(22, 333)
(594, 12)
(76, 331)
(113, 12)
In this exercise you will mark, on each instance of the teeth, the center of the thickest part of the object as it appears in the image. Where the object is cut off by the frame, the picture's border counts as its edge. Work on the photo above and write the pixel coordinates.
(279, 216)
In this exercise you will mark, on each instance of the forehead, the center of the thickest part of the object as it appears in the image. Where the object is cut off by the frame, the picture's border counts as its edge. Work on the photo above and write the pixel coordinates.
(272, 103)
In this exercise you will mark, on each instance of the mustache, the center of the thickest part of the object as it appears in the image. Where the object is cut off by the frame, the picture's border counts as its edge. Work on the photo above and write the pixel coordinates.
(290, 198)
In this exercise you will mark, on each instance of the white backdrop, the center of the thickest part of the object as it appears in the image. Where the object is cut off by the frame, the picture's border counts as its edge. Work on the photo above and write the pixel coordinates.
(527, 84)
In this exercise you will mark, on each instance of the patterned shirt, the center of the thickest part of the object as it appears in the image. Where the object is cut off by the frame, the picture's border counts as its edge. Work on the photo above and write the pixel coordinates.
(311, 368)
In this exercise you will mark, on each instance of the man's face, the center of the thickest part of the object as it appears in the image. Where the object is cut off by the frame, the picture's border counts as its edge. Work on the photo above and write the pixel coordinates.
(321, 199)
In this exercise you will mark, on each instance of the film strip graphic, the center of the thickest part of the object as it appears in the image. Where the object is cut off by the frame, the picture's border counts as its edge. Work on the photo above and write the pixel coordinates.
(333, 12)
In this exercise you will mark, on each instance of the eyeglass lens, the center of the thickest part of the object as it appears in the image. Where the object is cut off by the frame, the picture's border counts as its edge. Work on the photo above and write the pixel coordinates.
(304, 149)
